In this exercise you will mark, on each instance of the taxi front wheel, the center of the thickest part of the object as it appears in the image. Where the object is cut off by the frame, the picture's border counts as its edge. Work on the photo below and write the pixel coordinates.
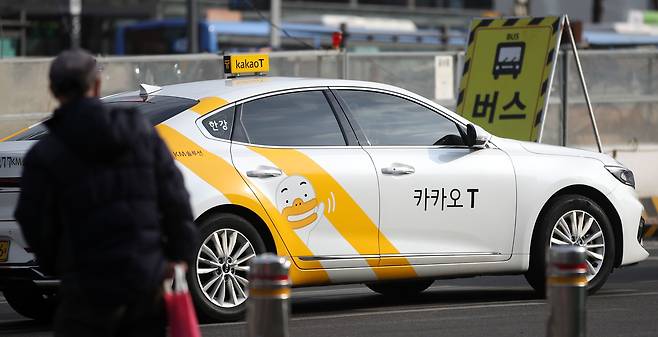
(404, 288)
(218, 276)
(573, 220)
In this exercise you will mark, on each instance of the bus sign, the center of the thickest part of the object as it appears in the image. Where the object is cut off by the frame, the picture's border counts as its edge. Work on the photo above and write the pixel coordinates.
(507, 74)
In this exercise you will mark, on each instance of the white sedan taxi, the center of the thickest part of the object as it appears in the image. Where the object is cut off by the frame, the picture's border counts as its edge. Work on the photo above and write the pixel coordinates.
(355, 182)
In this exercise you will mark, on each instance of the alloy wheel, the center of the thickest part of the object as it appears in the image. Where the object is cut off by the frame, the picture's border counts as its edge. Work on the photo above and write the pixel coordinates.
(579, 228)
(222, 265)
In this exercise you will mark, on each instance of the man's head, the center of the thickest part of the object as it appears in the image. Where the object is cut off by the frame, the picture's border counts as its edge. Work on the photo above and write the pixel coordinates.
(73, 75)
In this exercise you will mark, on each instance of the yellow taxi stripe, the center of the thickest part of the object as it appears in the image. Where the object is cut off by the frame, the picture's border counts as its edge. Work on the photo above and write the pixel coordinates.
(220, 174)
(351, 221)
(208, 104)
(14, 134)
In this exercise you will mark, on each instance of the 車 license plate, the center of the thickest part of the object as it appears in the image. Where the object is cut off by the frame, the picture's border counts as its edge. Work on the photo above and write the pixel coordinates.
(4, 250)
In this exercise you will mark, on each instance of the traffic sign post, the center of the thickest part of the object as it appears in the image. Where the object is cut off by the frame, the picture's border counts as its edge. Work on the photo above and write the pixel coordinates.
(584, 86)
(75, 9)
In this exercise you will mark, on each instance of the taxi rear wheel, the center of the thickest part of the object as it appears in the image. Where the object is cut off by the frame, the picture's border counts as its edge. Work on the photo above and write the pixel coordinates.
(218, 277)
(30, 301)
(404, 288)
(573, 220)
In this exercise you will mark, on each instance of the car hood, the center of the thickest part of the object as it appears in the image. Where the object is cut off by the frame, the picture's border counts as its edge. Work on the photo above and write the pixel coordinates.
(558, 151)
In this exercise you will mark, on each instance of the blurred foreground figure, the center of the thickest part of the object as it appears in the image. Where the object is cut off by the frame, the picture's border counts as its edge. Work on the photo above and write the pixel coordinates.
(104, 208)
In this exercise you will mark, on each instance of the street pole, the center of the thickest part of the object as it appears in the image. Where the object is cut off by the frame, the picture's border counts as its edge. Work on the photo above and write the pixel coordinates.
(521, 7)
(75, 9)
(275, 20)
(268, 307)
(567, 291)
(192, 27)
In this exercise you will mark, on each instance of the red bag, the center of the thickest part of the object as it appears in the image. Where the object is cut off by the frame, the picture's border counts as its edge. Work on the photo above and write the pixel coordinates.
(180, 310)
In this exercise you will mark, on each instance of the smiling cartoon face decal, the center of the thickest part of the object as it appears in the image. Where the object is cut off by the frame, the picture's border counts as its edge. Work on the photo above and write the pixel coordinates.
(297, 202)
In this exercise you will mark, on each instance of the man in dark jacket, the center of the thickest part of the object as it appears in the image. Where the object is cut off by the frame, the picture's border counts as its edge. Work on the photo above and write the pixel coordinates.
(104, 208)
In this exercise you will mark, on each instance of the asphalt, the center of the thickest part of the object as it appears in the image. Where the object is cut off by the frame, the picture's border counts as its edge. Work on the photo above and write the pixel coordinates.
(481, 306)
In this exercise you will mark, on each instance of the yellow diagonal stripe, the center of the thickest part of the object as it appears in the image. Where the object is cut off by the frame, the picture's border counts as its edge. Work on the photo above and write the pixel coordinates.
(350, 220)
(14, 134)
(208, 104)
(220, 174)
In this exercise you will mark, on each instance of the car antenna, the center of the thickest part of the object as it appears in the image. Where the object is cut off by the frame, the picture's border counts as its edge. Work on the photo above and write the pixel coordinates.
(146, 89)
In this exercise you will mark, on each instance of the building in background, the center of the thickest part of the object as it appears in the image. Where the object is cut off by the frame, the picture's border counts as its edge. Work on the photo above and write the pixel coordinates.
(43, 27)
(579, 10)
(47, 23)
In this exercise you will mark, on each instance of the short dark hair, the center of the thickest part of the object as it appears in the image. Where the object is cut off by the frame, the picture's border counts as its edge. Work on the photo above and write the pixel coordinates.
(72, 73)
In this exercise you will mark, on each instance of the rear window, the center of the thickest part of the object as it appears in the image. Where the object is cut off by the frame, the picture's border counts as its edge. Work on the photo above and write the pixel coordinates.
(157, 110)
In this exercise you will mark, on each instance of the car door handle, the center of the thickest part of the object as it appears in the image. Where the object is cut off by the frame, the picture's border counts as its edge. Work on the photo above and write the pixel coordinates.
(264, 172)
(397, 169)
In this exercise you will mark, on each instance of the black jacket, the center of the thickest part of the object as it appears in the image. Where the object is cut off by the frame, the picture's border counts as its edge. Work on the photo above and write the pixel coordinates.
(102, 203)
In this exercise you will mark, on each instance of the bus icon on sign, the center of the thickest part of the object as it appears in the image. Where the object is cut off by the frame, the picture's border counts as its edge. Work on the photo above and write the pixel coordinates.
(509, 58)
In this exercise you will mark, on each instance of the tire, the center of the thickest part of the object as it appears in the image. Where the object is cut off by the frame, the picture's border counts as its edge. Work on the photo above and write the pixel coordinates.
(229, 273)
(568, 205)
(407, 288)
(30, 301)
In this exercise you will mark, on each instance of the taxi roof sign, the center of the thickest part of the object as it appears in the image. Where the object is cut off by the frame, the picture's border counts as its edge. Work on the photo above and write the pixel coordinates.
(238, 64)
(507, 74)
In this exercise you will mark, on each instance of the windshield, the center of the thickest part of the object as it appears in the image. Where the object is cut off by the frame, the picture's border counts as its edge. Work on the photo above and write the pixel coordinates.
(156, 109)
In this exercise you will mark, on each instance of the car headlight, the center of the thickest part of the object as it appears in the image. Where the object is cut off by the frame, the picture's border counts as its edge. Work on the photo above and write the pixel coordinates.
(622, 174)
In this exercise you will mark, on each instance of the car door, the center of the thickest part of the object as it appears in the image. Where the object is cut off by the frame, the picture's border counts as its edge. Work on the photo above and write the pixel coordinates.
(441, 202)
(293, 151)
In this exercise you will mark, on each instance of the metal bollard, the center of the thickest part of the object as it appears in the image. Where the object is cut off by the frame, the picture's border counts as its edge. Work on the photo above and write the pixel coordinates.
(269, 292)
(567, 291)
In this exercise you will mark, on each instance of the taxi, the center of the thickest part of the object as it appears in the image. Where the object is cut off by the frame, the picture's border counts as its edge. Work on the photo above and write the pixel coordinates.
(355, 182)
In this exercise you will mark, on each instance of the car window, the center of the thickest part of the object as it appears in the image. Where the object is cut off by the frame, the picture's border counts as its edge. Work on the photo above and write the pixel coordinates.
(220, 124)
(391, 120)
(294, 119)
(156, 109)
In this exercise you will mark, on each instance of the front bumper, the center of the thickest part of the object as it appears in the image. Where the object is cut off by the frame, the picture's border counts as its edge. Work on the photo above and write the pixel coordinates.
(629, 209)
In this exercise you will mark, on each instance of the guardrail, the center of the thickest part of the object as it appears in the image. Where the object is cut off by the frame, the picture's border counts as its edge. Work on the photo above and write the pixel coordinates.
(621, 82)
(622, 85)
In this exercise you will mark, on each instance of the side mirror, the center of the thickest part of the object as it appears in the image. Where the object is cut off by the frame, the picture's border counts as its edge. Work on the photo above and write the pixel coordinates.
(471, 135)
